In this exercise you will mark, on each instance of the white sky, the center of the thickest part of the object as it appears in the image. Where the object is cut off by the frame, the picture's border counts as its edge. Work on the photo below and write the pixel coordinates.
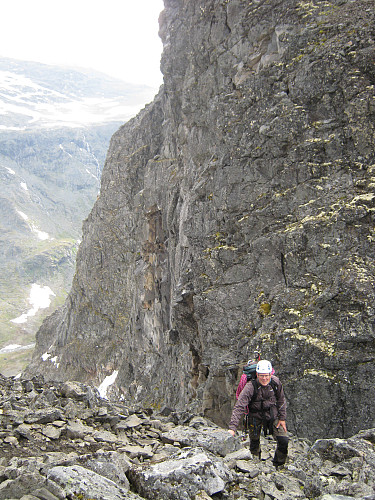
(117, 37)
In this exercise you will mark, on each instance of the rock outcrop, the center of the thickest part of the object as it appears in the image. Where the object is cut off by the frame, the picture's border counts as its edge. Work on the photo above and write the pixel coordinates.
(237, 213)
(62, 441)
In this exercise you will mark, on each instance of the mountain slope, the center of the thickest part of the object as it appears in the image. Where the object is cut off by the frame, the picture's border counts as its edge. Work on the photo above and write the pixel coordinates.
(55, 127)
(236, 214)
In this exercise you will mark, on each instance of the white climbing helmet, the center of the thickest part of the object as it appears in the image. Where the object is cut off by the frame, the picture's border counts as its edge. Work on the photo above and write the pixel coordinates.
(264, 366)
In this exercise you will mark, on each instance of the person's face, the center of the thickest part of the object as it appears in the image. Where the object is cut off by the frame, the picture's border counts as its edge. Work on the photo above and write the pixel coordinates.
(264, 378)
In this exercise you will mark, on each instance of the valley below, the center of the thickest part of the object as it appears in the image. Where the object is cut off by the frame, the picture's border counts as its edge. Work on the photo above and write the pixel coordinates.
(55, 128)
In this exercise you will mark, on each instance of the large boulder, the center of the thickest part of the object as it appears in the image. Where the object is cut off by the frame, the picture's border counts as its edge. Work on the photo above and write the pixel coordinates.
(182, 476)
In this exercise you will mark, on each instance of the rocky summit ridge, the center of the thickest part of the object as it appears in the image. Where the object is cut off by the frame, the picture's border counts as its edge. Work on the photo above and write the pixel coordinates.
(236, 214)
(63, 441)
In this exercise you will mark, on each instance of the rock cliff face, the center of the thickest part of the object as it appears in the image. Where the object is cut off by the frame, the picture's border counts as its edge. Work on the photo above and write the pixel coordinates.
(237, 213)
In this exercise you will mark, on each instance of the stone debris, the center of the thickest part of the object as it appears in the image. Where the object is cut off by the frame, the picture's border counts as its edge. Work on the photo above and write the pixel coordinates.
(110, 451)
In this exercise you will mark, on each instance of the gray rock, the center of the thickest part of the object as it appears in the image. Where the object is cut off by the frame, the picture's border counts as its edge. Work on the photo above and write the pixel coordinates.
(253, 470)
(78, 391)
(51, 432)
(335, 450)
(216, 440)
(77, 480)
(43, 416)
(137, 451)
(130, 422)
(183, 476)
(44, 494)
(334, 466)
(105, 436)
(335, 497)
(21, 485)
(78, 430)
(281, 487)
(111, 465)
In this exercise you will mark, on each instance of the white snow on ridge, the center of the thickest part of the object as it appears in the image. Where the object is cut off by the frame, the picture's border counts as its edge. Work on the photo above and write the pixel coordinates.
(107, 382)
(24, 186)
(14, 82)
(15, 347)
(24, 216)
(39, 299)
(43, 107)
(40, 234)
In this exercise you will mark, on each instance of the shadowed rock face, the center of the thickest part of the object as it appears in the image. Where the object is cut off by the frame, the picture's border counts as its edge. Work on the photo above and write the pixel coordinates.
(237, 213)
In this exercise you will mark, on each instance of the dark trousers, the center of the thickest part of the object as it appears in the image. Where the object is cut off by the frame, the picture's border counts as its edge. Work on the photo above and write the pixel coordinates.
(255, 427)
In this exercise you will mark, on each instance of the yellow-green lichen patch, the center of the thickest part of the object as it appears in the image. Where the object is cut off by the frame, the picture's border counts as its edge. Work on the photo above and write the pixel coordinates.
(363, 197)
(321, 344)
(265, 308)
(295, 312)
(319, 373)
(364, 270)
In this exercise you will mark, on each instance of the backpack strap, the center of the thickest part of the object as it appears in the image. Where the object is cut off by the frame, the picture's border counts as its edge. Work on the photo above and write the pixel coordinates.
(273, 384)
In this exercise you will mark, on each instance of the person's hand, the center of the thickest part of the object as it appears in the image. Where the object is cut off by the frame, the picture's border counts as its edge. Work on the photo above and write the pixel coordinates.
(282, 423)
(231, 432)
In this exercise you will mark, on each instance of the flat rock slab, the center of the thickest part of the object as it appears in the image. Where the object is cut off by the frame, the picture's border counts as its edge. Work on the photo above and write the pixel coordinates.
(77, 480)
(217, 441)
(183, 476)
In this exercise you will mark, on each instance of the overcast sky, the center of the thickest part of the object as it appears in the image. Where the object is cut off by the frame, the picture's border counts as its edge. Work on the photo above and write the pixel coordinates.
(117, 37)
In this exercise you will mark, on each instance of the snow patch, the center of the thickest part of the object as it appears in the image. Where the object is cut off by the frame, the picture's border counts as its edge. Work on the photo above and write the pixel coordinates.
(92, 175)
(39, 299)
(24, 186)
(24, 216)
(108, 381)
(40, 234)
(54, 361)
(15, 347)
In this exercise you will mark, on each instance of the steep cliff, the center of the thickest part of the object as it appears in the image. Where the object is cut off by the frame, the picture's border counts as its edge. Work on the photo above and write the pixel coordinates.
(237, 212)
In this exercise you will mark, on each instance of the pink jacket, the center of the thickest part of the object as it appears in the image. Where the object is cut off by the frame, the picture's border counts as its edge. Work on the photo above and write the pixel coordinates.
(241, 385)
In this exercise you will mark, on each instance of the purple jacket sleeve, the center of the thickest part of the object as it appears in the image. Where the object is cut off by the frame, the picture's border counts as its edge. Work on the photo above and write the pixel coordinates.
(280, 401)
(241, 406)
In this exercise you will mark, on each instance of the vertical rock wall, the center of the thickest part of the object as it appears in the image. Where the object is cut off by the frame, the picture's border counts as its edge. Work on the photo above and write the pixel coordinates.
(237, 213)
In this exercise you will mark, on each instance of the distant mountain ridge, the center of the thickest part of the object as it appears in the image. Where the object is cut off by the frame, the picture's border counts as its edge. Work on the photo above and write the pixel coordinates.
(55, 128)
(34, 95)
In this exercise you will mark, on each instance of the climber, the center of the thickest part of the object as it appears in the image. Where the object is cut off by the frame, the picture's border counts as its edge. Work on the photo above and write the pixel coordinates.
(249, 372)
(265, 400)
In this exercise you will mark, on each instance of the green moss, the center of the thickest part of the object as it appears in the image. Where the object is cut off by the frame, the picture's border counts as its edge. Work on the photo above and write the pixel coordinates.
(265, 308)
(12, 363)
